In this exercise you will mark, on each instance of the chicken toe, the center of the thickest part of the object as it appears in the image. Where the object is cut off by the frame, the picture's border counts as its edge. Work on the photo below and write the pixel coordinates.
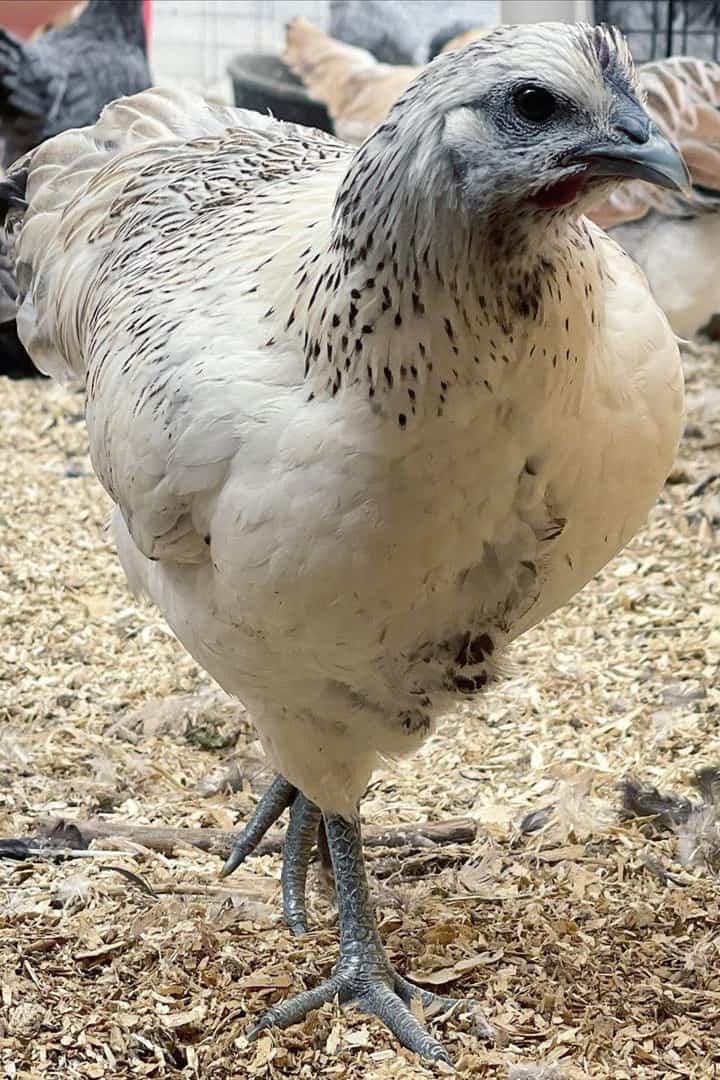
(363, 973)
(273, 804)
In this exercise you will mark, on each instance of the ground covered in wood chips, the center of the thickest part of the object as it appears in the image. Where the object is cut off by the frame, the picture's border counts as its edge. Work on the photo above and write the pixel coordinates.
(592, 943)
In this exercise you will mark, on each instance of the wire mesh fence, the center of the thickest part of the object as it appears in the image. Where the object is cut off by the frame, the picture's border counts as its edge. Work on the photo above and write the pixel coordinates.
(658, 28)
(193, 40)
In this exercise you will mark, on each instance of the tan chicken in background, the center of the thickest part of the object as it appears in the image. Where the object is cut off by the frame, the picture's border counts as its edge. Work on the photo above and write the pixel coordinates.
(357, 89)
(675, 237)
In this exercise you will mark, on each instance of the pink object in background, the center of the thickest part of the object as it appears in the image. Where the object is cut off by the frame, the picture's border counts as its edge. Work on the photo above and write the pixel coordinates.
(22, 17)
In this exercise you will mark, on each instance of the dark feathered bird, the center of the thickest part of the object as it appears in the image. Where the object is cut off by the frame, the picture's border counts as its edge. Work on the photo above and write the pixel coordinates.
(65, 77)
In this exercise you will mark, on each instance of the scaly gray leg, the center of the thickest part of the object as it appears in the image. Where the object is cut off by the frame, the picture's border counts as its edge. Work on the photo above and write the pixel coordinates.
(297, 850)
(363, 972)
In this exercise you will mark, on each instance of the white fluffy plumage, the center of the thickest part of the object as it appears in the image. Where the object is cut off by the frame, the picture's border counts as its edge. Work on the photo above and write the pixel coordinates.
(360, 433)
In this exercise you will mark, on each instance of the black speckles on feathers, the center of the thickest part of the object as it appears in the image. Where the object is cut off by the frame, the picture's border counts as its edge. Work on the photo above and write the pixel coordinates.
(464, 309)
(415, 721)
(474, 650)
(469, 684)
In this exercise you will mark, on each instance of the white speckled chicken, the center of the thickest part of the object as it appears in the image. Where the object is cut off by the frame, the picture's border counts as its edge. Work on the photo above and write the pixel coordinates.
(366, 416)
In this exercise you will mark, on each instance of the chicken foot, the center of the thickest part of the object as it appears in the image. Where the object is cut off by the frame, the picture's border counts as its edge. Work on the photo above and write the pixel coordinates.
(305, 818)
(363, 973)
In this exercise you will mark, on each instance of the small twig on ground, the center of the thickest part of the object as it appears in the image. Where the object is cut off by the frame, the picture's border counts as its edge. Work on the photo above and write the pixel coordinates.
(219, 842)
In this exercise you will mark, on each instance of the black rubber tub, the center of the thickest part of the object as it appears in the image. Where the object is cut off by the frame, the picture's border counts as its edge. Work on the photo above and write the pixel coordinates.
(264, 83)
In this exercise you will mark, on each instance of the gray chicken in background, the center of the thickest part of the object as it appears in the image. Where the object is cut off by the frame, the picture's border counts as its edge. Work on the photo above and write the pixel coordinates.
(65, 77)
(406, 31)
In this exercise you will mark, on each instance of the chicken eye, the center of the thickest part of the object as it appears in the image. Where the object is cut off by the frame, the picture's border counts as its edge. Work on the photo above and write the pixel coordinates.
(534, 103)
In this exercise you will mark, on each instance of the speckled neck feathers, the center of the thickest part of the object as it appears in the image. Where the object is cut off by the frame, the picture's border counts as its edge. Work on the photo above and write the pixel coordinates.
(414, 294)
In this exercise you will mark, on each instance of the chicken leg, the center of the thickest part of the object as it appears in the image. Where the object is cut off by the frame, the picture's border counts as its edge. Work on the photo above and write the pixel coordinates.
(363, 972)
(305, 818)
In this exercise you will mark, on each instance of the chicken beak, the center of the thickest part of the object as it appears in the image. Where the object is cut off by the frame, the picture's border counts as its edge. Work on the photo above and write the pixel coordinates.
(654, 159)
